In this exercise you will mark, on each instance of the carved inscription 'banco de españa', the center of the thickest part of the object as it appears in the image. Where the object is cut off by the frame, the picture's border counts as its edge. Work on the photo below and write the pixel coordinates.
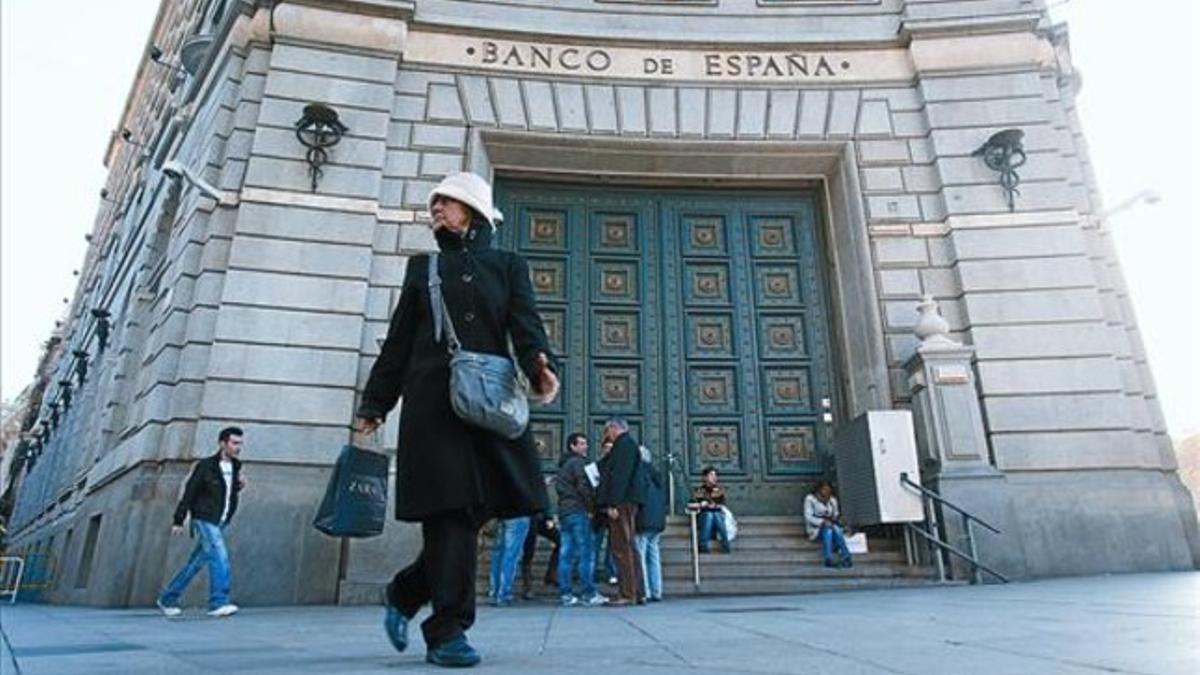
(723, 64)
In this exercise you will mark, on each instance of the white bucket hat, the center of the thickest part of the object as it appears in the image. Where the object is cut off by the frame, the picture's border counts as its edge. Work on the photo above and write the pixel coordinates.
(471, 190)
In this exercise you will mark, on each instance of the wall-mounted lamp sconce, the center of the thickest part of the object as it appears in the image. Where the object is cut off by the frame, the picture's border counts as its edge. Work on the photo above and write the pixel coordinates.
(194, 51)
(44, 432)
(81, 365)
(102, 327)
(105, 198)
(317, 129)
(88, 237)
(30, 440)
(176, 171)
(65, 394)
(156, 55)
(1004, 152)
(127, 136)
(54, 415)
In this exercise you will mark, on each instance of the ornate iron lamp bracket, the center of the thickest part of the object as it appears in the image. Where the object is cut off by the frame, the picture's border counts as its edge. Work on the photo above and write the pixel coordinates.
(102, 326)
(81, 365)
(1004, 153)
(317, 129)
(65, 385)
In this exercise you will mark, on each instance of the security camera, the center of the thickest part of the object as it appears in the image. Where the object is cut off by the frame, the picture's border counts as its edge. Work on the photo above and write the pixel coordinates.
(177, 171)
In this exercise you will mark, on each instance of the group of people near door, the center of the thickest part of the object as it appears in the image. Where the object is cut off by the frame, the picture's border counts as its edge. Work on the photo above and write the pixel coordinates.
(619, 497)
(453, 477)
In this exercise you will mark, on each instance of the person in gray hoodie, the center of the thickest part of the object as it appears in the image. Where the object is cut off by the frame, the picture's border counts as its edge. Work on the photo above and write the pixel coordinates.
(575, 496)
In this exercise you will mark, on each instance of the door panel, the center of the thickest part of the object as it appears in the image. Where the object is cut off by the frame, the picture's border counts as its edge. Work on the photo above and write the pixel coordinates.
(699, 316)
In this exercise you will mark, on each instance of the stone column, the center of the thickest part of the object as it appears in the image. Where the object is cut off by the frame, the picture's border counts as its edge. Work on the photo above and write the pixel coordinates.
(946, 410)
(955, 460)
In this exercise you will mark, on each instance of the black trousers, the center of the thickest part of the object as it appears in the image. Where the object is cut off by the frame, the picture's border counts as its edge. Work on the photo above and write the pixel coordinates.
(540, 529)
(443, 575)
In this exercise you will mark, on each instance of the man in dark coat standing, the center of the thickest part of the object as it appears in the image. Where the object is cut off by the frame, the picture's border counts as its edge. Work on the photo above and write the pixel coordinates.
(450, 476)
(619, 495)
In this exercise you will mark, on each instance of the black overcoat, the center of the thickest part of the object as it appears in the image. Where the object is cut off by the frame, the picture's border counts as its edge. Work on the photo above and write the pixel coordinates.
(620, 474)
(443, 463)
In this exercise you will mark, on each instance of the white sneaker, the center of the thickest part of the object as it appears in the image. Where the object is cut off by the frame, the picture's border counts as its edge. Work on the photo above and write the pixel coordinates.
(223, 610)
(569, 600)
(596, 600)
(167, 610)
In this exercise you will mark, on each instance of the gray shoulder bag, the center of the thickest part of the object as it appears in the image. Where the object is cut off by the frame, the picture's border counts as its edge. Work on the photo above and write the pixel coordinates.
(484, 389)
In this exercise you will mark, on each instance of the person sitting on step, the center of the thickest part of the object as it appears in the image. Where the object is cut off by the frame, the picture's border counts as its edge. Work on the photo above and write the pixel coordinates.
(821, 519)
(709, 497)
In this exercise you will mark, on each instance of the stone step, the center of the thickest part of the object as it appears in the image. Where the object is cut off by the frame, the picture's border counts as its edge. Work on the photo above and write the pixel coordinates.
(775, 543)
(742, 556)
(758, 570)
(767, 586)
(753, 520)
(772, 554)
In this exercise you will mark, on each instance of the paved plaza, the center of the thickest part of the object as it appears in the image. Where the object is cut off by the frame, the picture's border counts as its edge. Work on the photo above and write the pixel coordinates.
(1110, 624)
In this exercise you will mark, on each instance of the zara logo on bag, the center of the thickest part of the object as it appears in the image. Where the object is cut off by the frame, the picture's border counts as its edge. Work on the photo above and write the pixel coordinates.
(362, 487)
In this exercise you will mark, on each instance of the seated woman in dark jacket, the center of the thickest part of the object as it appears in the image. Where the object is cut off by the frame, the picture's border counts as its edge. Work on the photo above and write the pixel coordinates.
(709, 497)
(451, 476)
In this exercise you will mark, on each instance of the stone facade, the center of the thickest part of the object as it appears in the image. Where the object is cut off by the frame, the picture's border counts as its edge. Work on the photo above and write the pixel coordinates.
(264, 308)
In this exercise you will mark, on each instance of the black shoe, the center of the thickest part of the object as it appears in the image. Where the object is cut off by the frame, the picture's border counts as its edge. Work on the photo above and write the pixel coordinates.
(453, 653)
(830, 563)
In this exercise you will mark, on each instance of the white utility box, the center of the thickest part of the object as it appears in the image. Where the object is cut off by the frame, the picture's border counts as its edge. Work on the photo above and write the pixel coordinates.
(872, 451)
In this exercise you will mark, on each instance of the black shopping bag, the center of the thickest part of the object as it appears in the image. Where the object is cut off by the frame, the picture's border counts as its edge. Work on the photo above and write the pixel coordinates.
(355, 502)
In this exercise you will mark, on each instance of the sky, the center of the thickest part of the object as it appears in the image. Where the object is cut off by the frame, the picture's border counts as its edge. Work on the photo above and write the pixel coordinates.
(62, 90)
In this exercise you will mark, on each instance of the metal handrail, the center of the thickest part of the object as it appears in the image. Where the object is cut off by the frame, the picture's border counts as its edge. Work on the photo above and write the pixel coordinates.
(905, 480)
(928, 497)
(955, 551)
(695, 542)
(5, 576)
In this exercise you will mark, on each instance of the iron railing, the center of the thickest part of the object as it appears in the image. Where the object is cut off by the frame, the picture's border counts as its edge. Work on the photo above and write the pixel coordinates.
(971, 555)
(12, 571)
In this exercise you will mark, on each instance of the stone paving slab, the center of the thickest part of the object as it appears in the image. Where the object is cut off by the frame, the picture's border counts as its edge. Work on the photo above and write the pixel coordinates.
(1139, 624)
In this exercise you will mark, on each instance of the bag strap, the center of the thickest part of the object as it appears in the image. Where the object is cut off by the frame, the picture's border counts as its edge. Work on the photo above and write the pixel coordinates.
(441, 313)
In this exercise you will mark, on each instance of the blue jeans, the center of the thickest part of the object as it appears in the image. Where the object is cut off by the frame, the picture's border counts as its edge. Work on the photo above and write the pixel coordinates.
(832, 538)
(576, 532)
(210, 550)
(708, 520)
(648, 551)
(506, 553)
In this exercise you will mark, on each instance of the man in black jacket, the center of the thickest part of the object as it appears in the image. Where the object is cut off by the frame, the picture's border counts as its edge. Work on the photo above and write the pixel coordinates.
(211, 497)
(575, 495)
(619, 495)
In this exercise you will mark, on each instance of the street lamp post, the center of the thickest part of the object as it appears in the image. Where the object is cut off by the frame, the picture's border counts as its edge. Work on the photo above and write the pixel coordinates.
(1147, 196)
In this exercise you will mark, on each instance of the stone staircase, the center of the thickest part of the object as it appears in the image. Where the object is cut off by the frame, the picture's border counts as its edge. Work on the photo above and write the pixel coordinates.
(771, 555)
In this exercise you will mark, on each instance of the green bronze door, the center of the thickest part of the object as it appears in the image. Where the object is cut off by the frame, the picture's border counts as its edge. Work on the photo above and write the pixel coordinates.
(697, 315)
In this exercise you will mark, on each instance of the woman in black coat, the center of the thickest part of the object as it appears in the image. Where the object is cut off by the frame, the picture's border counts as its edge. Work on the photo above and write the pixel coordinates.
(451, 476)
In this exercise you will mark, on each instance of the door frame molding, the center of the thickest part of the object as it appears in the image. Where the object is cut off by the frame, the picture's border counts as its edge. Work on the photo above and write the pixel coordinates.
(859, 357)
